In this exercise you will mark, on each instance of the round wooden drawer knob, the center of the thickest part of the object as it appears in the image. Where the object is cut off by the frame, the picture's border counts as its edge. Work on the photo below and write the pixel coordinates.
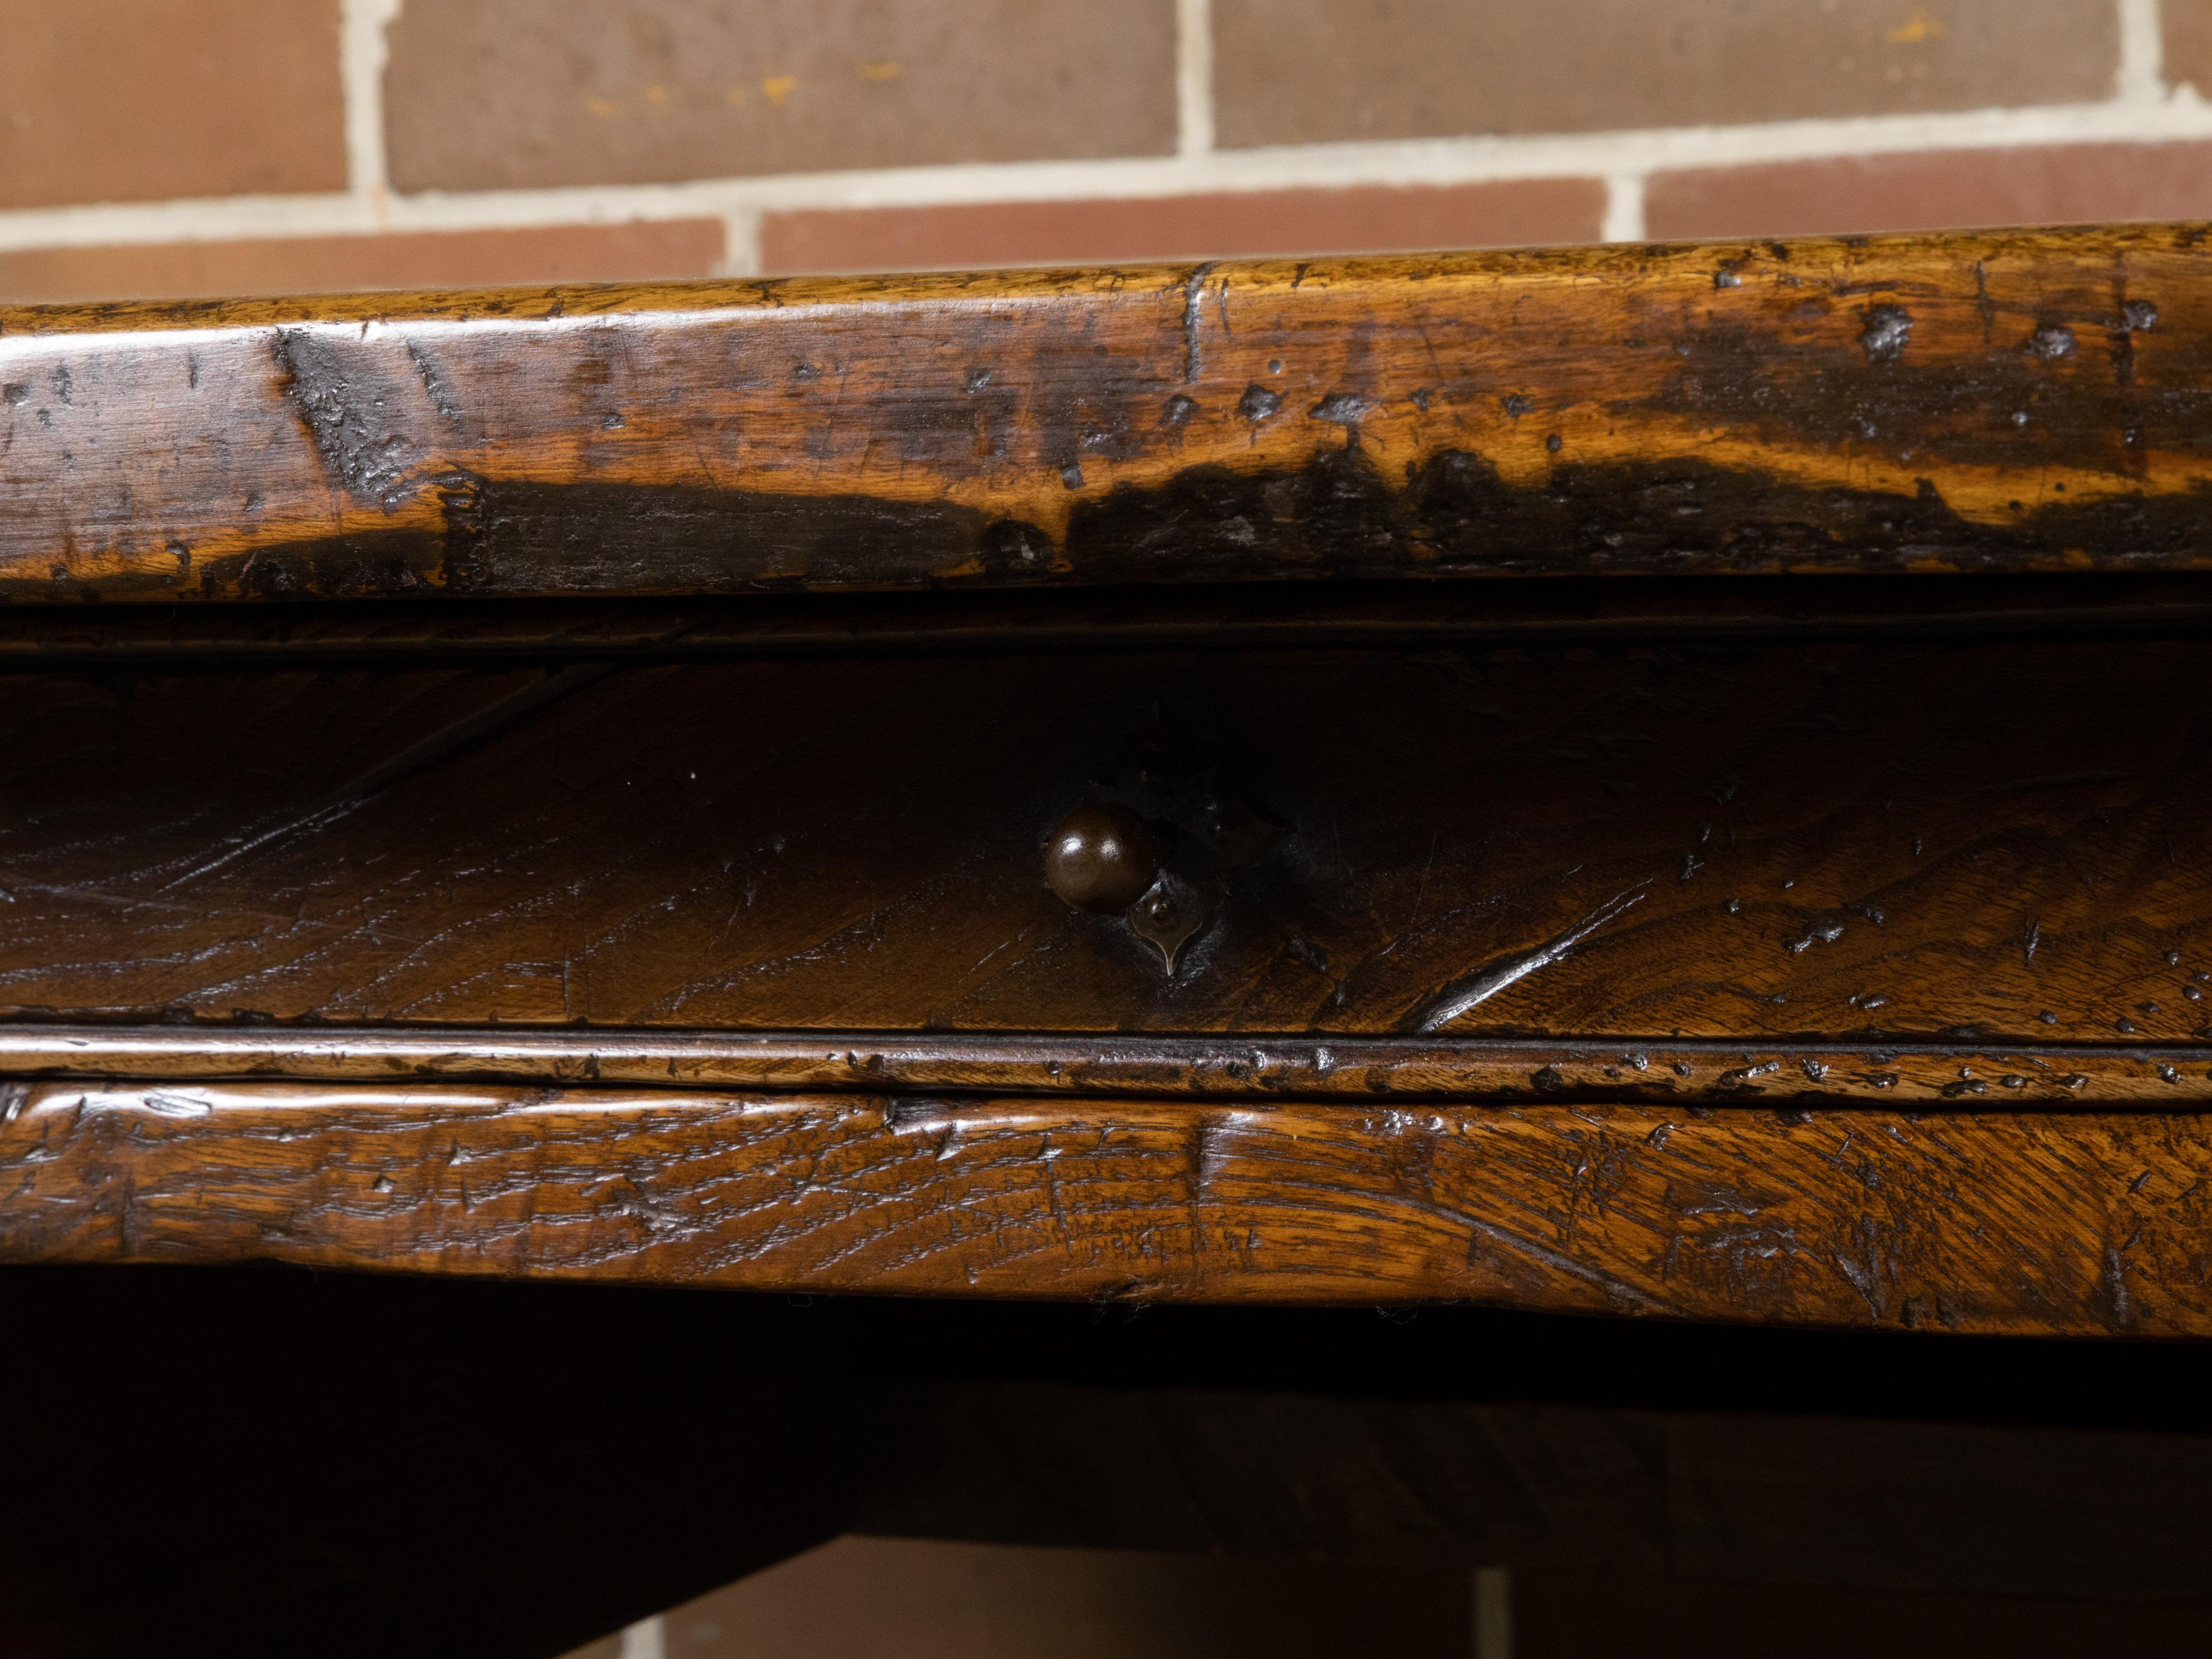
(1101, 857)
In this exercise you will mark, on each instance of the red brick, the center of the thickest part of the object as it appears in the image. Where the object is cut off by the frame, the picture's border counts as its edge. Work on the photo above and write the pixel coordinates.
(1367, 220)
(2188, 25)
(1307, 72)
(118, 100)
(322, 264)
(503, 94)
(2030, 185)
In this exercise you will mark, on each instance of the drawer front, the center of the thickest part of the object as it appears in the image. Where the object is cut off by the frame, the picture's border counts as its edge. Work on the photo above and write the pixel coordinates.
(1997, 841)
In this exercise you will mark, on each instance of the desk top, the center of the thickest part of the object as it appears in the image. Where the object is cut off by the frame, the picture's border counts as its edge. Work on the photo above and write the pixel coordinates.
(2016, 400)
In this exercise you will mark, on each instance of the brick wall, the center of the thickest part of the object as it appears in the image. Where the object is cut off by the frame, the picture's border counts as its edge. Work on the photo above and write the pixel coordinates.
(187, 147)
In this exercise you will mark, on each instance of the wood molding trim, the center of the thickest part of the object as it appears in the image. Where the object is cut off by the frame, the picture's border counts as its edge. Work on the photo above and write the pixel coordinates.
(1251, 1067)
(2025, 1223)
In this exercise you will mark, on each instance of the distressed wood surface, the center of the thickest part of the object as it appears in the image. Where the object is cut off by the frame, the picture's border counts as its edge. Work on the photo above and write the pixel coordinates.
(2093, 1223)
(1406, 1070)
(1974, 842)
(2000, 400)
(1830, 951)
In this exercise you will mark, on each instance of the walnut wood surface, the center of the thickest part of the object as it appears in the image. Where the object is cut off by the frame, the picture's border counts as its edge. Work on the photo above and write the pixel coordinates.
(1410, 1070)
(1975, 842)
(2009, 400)
(1828, 951)
(2021, 1221)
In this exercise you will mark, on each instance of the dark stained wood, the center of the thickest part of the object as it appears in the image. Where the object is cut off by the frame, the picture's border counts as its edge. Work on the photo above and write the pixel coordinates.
(2023, 1222)
(615, 848)
(1981, 841)
(1255, 615)
(1728, 1495)
(568, 870)
(1999, 400)
(1411, 1070)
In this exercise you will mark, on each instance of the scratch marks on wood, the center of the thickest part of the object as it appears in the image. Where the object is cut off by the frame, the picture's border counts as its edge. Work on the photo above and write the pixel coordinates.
(1625, 1298)
(435, 382)
(1194, 302)
(1741, 1214)
(1790, 431)
(432, 751)
(837, 844)
(1492, 977)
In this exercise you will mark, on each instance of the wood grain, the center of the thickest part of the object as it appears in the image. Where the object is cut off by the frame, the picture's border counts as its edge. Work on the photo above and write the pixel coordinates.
(2095, 1223)
(1997, 400)
(1975, 841)
(1407, 1070)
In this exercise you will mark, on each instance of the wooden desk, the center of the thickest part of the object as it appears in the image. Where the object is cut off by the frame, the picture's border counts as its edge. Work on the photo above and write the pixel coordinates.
(1663, 782)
